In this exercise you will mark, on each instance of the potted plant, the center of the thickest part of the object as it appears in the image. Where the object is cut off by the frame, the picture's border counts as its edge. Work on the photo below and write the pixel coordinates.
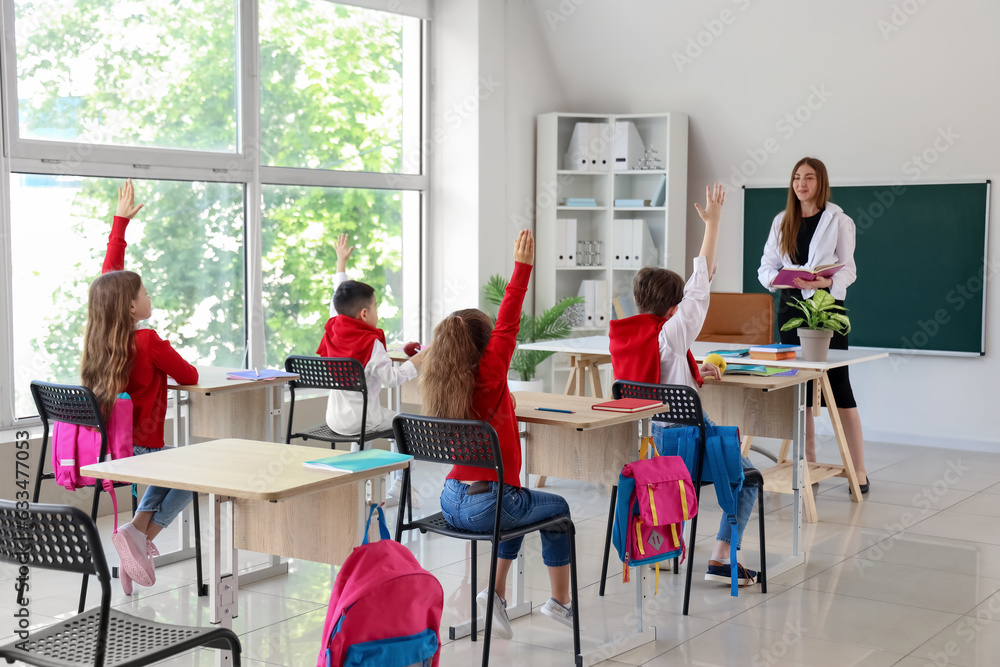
(817, 327)
(550, 325)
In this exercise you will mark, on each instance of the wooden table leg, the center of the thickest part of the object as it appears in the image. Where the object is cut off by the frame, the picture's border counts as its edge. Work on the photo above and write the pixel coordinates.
(745, 446)
(838, 430)
(595, 380)
(807, 495)
(571, 381)
(817, 402)
(783, 452)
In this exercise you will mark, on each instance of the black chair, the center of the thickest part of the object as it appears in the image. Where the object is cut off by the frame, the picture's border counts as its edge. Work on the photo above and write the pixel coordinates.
(337, 374)
(472, 443)
(65, 539)
(78, 405)
(685, 409)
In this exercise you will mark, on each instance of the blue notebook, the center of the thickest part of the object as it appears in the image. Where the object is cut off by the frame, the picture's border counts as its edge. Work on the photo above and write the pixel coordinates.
(358, 461)
(262, 374)
(775, 348)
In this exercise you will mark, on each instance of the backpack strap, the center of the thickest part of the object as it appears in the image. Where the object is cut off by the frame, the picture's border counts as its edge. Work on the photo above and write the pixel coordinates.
(383, 530)
(727, 499)
(110, 488)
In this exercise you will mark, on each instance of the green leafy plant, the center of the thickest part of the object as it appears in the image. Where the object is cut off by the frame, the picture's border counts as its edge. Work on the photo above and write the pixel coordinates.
(550, 325)
(819, 314)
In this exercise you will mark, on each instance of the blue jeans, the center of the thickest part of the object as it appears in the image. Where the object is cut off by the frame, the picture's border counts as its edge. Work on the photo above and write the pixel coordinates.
(165, 504)
(744, 501)
(519, 507)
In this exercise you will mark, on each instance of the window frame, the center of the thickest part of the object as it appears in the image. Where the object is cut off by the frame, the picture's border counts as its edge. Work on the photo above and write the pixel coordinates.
(105, 161)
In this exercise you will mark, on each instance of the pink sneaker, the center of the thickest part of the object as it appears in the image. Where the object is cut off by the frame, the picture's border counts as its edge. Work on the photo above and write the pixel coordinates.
(131, 547)
(126, 581)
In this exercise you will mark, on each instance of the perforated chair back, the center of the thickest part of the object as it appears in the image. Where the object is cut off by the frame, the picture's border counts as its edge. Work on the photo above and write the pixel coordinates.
(67, 403)
(684, 402)
(340, 373)
(51, 537)
(466, 442)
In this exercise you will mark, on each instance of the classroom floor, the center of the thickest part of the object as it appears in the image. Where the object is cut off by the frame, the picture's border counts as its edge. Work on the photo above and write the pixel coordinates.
(910, 578)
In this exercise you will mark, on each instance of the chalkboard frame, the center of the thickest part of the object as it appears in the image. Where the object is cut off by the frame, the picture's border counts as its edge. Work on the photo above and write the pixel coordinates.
(751, 258)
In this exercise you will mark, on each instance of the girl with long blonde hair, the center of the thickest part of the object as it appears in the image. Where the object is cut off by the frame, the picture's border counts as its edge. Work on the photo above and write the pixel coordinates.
(119, 357)
(464, 376)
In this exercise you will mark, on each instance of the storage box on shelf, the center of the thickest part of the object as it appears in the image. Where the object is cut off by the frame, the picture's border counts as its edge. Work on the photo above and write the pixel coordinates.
(611, 197)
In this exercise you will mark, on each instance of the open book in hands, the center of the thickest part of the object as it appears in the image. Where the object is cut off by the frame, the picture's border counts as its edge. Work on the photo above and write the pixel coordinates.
(786, 277)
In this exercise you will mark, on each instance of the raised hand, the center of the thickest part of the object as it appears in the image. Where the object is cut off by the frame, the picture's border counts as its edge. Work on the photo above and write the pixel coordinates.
(524, 247)
(126, 201)
(715, 196)
(343, 252)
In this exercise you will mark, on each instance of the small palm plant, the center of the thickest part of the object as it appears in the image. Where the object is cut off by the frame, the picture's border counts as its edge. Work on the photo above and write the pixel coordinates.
(550, 325)
(819, 311)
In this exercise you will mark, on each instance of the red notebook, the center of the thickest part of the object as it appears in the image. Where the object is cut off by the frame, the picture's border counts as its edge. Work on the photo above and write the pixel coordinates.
(628, 405)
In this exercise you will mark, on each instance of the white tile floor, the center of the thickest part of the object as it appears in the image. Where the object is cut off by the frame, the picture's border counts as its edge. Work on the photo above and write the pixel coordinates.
(910, 578)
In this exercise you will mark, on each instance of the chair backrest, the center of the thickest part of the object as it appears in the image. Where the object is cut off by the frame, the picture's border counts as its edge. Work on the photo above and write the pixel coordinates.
(51, 537)
(466, 442)
(340, 373)
(747, 319)
(72, 404)
(684, 402)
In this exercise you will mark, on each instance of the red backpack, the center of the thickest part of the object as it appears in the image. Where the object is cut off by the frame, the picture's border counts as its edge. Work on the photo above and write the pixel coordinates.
(384, 609)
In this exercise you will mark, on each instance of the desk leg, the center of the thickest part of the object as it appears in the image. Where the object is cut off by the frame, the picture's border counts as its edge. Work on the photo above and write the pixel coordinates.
(224, 589)
(845, 451)
(798, 469)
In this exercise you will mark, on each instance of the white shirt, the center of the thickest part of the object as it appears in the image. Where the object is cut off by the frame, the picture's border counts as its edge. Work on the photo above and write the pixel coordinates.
(344, 408)
(832, 243)
(679, 332)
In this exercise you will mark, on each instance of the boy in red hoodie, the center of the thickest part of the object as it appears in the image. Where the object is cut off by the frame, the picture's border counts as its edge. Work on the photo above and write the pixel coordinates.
(654, 346)
(352, 331)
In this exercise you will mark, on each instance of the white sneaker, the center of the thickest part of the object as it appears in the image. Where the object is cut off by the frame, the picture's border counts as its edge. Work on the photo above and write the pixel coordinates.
(501, 624)
(558, 612)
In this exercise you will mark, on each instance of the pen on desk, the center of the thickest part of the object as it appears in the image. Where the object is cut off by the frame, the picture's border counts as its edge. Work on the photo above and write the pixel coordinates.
(256, 372)
(568, 412)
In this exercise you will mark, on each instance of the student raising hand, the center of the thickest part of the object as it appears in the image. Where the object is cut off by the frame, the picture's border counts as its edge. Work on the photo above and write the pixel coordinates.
(524, 248)
(126, 201)
(715, 196)
(343, 252)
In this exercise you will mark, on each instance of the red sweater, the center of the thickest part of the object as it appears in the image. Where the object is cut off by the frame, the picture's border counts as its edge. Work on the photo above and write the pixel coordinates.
(154, 360)
(491, 399)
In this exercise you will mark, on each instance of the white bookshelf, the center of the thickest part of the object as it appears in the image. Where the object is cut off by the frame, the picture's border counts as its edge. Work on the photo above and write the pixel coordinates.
(667, 133)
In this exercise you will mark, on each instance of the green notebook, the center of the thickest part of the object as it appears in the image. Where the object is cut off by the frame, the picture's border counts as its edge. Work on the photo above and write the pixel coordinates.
(358, 461)
(753, 369)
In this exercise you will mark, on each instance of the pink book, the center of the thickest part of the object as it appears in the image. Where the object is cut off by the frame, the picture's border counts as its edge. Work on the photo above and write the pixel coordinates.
(786, 277)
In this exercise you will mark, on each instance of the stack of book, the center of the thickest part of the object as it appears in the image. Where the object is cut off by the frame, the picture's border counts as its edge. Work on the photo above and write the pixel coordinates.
(774, 351)
(581, 201)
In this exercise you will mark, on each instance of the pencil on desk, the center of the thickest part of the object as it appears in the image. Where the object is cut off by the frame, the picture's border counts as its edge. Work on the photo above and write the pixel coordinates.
(568, 412)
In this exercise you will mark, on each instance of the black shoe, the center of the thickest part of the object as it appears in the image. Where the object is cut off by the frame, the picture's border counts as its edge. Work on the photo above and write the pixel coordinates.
(863, 487)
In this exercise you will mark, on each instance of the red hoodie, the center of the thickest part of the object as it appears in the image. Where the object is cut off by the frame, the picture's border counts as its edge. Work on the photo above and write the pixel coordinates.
(635, 349)
(154, 360)
(348, 336)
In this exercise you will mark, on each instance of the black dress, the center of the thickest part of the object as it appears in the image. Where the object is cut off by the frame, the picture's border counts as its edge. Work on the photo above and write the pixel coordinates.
(840, 380)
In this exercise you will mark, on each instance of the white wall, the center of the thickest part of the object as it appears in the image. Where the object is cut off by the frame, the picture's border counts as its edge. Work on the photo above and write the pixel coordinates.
(891, 81)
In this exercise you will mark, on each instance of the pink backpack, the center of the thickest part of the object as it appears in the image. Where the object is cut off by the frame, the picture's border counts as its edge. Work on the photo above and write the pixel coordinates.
(76, 446)
(384, 609)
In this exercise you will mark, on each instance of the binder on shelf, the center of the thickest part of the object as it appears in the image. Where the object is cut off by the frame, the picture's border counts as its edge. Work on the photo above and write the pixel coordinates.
(660, 196)
(569, 249)
(628, 251)
(602, 303)
(628, 146)
(578, 156)
(588, 290)
(601, 146)
(642, 247)
(560, 253)
(617, 244)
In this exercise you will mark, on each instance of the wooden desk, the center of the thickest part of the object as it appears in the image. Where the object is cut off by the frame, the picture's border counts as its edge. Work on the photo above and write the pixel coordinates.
(274, 499)
(223, 408)
(591, 446)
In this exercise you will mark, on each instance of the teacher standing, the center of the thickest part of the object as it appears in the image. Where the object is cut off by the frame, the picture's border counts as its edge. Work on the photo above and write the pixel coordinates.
(811, 232)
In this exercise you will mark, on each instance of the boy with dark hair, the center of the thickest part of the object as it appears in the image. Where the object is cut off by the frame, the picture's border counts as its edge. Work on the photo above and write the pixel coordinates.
(654, 346)
(352, 331)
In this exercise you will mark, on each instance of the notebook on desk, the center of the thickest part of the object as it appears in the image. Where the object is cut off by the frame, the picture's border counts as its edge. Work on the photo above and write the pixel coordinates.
(358, 461)
(627, 405)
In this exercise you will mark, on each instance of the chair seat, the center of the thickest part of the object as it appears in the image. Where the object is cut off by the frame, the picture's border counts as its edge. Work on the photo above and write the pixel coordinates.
(325, 433)
(131, 641)
(436, 523)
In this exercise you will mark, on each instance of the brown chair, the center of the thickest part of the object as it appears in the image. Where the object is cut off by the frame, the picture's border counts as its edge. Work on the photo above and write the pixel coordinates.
(739, 318)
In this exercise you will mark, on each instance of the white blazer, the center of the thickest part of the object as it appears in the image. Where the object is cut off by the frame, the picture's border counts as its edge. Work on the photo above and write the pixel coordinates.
(833, 243)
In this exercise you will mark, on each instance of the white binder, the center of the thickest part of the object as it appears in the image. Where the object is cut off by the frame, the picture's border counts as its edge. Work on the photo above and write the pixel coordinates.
(560, 249)
(578, 157)
(643, 249)
(569, 248)
(628, 146)
(602, 303)
(601, 146)
(617, 244)
(628, 252)
(588, 292)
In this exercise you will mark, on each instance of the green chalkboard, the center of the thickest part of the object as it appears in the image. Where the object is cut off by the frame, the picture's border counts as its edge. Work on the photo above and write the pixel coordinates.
(921, 256)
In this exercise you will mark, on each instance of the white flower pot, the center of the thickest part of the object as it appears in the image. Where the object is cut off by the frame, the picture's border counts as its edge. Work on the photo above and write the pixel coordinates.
(536, 385)
(815, 343)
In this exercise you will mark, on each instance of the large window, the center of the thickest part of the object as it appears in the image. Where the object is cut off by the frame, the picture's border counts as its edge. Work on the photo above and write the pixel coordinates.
(255, 131)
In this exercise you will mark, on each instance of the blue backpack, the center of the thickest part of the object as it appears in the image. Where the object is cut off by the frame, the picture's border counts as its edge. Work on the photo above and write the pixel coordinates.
(722, 463)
